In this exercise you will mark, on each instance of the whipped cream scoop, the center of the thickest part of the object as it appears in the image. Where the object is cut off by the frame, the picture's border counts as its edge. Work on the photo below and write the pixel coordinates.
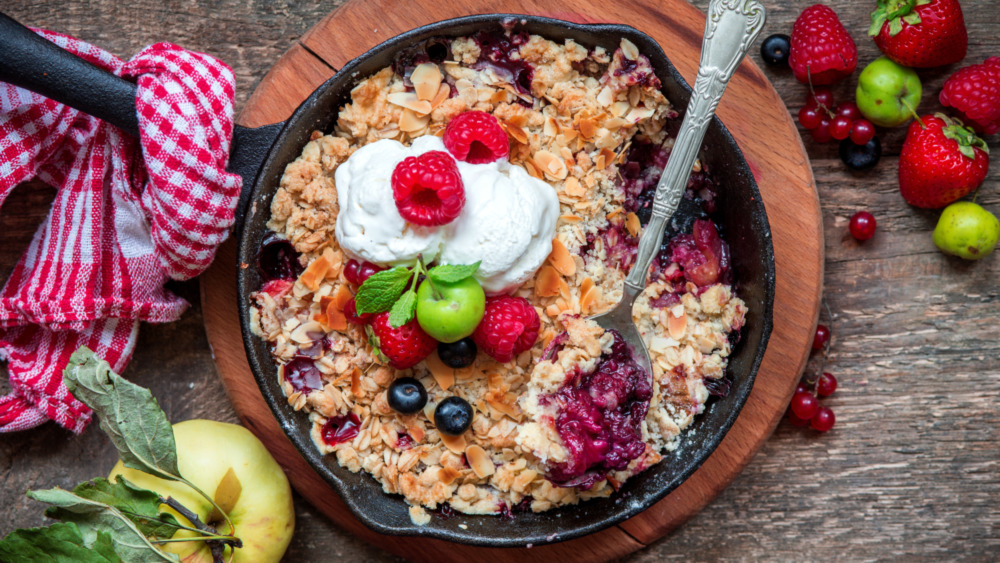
(507, 223)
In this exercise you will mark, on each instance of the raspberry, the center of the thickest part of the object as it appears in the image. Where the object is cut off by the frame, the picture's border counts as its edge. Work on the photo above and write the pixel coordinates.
(405, 346)
(975, 91)
(476, 137)
(510, 326)
(822, 50)
(428, 189)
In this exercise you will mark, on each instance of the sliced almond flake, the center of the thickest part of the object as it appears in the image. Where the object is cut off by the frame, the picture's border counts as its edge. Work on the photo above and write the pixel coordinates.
(306, 332)
(600, 162)
(588, 283)
(410, 122)
(587, 128)
(552, 311)
(507, 406)
(516, 132)
(616, 123)
(315, 272)
(447, 475)
(589, 180)
(634, 96)
(697, 165)
(573, 188)
(341, 296)
(570, 218)
(479, 461)
(454, 443)
(335, 318)
(547, 282)
(605, 97)
(467, 372)
(629, 49)
(442, 94)
(356, 382)
(463, 84)
(619, 109)
(416, 431)
(409, 101)
(532, 169)
(550, 128)
(561, 259)
(551, 165)
(485, 93)
(632, 224)
(587, 299)
(443, 375)
(605, 141)
(637, 114)
(426, 79)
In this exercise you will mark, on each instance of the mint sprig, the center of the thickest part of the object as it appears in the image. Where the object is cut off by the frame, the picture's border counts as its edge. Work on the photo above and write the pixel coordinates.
(386, 290)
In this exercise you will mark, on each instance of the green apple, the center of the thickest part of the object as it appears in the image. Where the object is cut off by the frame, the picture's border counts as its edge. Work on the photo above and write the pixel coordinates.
(888, 94)
(967, 230)
(450, 311)
(259, 500)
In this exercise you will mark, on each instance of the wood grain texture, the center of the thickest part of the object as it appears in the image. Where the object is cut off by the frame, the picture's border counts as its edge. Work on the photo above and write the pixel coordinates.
(784, 178)
(912, 469)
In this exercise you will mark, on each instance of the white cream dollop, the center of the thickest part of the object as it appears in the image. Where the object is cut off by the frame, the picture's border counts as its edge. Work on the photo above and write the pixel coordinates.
(507, 223)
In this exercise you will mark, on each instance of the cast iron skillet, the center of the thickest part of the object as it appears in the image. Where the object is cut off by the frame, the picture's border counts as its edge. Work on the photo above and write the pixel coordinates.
(260, 156)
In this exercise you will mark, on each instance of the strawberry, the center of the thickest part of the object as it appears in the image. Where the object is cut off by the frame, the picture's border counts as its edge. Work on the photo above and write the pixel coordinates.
(941, 161)
(402, 347)
(975, 92)
(920, 33)
(822, 50)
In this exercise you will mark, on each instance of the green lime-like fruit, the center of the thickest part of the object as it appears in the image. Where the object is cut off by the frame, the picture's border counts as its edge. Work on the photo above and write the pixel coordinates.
(450, 311)
(888, 94)
(967, 230)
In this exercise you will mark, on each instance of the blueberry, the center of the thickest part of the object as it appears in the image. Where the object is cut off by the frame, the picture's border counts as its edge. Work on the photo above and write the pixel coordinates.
(457, 354)
(406, 395)
(453, 416)
(861, 157)
(774, 50)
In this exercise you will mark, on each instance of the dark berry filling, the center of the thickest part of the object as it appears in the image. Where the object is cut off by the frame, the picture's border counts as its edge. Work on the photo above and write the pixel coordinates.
(702, 255)
(434, 50)
(600, 417)
(303, 374)
(340, 429)
(404, 441)
(497, 51)
(509, 512)
(277, 259)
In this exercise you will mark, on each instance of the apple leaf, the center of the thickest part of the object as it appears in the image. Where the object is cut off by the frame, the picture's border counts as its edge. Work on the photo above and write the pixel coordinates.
(142, 506)
(129, 415)
(226, 495)
(381, 290)
(93, 518)
(55, 544)
(452, 273)
(403, 310)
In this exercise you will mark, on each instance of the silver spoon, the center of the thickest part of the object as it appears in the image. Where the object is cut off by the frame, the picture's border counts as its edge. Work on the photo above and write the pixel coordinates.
(731, 27)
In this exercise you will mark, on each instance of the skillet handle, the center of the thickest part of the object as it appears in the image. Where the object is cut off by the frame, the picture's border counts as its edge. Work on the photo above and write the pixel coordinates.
(36, 64)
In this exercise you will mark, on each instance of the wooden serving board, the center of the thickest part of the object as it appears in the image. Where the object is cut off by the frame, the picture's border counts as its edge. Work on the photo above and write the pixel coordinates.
(757, 118)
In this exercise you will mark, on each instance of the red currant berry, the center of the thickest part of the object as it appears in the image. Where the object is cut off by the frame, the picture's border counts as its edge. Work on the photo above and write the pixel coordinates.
(796, 421)
(823, 419)
(821, 337)
(351, 271)
(821, 134)
(822, 97)
(804, 405)
(862, 131)
(801, 387)
(840, 127)
(351, 312)
(849, 110)
(367, 270)
(809, 117)
(826, 385)
(862, 225)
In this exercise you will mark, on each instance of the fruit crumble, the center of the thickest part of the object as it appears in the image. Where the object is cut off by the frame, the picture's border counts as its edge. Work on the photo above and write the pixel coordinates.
(435, 257)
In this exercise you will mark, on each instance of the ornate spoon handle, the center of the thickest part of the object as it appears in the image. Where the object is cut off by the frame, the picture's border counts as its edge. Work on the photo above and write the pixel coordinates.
(731, 27)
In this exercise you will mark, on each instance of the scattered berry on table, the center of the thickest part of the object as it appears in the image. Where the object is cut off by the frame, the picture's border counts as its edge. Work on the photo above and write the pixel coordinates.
(862, 225)
(796, 421)
(775, 48)
(822, 51)
(428, 189)
(406, 395)
(975, 92)
(453, 416)
(820, 97)
(862, 131)
(849, 110)
(403, 347)
(823, 419)
(476, 137)
(810, 117)
(351, 312)
(861, 157)
(941, 161)
(826, 384)
(804, 405)
(919, 33)
(840, 127)
(458, 354)
(822, 134)
(801, 388)
(821, 338)
(510, 326)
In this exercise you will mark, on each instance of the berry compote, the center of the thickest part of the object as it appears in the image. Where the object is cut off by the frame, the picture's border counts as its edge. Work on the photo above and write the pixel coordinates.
(340, 429)
(600, 418)
(277, 259)
(500, 52)
(303, 374)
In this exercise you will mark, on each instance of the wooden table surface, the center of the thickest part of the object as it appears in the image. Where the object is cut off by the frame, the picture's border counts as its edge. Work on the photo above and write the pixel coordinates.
(912, 468)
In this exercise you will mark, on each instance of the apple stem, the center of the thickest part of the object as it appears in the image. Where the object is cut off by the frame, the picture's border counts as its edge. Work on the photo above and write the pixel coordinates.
(913, 112)
(215, 541)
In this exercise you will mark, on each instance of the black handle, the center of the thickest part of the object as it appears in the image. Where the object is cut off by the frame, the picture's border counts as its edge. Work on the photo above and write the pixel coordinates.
(34, 63)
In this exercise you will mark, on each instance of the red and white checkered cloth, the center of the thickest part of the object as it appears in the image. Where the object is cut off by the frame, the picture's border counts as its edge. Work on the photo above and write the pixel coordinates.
(128, 216)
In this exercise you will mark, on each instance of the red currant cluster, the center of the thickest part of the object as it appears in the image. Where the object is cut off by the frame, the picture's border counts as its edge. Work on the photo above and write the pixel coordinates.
(805, 409)
(839, 123)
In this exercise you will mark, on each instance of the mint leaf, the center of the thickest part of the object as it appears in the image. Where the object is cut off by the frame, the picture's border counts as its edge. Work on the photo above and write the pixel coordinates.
(56, 544)
(140, 505)
(452, 273)
(129, 415)
(380, 291)
(403, 310)
(93, 518)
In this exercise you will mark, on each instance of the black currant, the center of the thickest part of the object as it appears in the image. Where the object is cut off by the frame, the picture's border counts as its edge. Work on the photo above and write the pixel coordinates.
(774, 50)
(453, 416)
(406, 395)
(457, 354)
(861, 157)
